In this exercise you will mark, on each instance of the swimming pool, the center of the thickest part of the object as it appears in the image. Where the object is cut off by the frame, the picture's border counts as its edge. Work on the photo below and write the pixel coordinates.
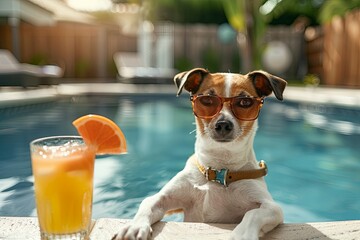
(312, 152)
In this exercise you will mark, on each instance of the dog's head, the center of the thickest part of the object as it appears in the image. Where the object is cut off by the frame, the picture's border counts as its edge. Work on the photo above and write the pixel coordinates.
(226, 105)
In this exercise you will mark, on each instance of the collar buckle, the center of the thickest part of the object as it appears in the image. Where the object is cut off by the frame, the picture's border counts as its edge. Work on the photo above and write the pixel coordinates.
(262, 164)
(215, 175)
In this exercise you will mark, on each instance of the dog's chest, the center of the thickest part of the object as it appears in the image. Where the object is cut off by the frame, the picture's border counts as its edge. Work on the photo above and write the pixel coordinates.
(225, 205)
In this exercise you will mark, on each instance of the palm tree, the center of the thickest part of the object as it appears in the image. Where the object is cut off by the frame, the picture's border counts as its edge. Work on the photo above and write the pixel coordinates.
(245, 18)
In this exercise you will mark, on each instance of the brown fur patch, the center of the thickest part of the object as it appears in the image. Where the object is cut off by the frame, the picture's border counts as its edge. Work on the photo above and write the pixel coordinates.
(193, 83)
(242, 86)
(262, 84)
(212, 83)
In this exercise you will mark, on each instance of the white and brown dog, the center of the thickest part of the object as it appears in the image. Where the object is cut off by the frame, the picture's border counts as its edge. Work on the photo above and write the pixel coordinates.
(222, 181)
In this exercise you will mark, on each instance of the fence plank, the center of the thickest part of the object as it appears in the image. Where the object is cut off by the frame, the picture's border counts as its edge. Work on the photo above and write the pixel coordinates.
(352, 28)
(342, 50)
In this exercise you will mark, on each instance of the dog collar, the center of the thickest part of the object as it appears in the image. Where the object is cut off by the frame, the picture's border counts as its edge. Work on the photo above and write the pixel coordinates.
(225, 177)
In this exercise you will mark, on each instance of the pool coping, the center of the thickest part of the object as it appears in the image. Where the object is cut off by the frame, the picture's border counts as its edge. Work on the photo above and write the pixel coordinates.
(19, 96)
(343, 97)
(105, 228)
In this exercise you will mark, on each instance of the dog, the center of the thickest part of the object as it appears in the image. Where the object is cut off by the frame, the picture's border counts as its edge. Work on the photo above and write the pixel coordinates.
(222, 182)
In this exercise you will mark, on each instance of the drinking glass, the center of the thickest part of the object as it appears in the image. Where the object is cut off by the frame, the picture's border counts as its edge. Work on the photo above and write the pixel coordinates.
(63, 169)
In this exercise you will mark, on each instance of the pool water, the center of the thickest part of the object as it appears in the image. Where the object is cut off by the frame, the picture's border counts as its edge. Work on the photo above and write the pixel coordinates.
(312, 152)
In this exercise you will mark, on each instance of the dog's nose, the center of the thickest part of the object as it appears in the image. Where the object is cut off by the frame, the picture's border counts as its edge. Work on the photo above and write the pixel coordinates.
(223, 127)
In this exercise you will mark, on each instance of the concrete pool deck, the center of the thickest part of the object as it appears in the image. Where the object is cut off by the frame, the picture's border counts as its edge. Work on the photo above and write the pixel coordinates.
(104, 228)
(20, 96)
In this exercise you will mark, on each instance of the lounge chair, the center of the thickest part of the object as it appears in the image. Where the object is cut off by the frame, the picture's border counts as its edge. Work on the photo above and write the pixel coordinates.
(131, 69)
(13, 73)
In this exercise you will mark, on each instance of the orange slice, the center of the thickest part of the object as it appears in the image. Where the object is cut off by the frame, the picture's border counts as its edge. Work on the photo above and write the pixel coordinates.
(101, 133)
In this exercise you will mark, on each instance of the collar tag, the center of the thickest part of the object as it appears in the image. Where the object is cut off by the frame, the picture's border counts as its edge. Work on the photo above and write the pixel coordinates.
(220, 175)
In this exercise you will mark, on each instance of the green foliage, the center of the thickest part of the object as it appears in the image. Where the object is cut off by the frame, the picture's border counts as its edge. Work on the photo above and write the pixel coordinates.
(187, 11)
(127, 1)
(333, 8)
(111, 68)
(235, 13)
(38, 59)
(235, 62)
(244, 16)
(285, 12)
(311, 80)
(183, 64)
(82, 66)
(104, 17)
(210, 59)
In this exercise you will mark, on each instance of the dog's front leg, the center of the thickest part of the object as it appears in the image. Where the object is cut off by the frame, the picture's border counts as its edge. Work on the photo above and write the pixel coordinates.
(257, 222)
(150, 211)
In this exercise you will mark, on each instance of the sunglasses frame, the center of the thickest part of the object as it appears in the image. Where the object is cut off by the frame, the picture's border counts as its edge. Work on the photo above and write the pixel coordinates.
(228, 99)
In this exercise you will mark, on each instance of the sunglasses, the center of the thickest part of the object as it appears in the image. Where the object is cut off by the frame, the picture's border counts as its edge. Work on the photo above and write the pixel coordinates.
(243, 108)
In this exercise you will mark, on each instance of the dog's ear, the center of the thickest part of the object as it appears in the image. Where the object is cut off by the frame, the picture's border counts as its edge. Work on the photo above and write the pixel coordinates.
(190, 80)
(265, 83)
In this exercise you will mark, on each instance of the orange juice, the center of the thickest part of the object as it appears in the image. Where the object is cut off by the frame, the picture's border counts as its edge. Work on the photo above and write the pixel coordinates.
(63, 174)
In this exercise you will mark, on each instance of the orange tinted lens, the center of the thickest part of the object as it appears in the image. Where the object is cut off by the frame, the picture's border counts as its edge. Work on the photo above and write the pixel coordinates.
(207, 106)
(246, 108)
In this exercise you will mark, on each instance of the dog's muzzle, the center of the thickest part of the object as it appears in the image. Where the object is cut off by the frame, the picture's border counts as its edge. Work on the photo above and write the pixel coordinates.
(223, 130)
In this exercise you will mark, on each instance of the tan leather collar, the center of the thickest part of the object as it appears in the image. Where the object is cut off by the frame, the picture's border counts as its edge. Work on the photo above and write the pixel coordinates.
(225, 177)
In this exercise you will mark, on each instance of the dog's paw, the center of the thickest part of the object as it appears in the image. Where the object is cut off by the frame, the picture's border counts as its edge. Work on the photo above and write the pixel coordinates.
(133, 231)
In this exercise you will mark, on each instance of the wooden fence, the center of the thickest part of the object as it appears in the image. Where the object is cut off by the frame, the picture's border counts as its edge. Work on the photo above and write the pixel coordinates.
(86, 50)
(314, 51)
(83, 50)
(334, 51)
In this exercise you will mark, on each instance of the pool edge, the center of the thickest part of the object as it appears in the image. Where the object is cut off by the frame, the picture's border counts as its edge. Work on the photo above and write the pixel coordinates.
(105, 228)
(320, 95)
